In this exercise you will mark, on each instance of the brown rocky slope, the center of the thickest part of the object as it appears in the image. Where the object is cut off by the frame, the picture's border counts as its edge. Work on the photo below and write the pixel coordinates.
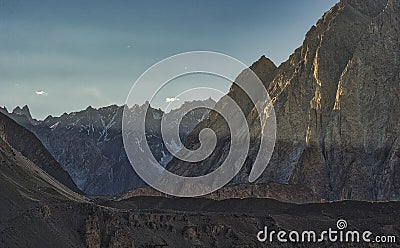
(30, 147)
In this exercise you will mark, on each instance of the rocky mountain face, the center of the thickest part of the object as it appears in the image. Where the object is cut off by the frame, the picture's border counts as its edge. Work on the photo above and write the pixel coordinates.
(89, 146)
(336, 102)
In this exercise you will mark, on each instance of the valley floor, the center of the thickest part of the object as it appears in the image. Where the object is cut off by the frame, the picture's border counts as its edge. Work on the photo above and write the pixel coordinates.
(172, 222)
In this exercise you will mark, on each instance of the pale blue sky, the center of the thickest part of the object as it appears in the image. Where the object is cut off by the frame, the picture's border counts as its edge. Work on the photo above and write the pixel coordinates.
(61, 56)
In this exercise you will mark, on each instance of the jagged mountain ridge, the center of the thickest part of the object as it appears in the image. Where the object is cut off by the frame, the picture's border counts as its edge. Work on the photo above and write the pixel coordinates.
(88, 144)
(336, 103)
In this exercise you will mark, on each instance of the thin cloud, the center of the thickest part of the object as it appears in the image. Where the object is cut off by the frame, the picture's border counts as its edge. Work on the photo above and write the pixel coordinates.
(172, 99)
(93, 92)
(41, 93)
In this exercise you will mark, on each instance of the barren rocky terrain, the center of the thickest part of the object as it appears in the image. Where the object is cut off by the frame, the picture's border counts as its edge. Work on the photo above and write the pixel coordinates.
(36, 210)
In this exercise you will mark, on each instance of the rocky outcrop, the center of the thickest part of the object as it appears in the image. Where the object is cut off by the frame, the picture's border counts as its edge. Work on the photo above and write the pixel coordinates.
(22, 116)
(336, 102)
(24, 112)
(286, 193)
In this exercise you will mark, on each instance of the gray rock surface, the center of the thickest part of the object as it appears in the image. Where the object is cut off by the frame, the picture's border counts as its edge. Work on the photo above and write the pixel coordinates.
(336, 101)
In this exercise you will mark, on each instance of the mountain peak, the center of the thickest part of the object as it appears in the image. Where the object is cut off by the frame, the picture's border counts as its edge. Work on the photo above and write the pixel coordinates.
(266, 60)
(264, 68)
(3, 110)
(24, 111)
(90, 108)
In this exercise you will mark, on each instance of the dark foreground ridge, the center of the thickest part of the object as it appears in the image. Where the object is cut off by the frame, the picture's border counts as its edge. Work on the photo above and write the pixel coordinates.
(30, 147)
